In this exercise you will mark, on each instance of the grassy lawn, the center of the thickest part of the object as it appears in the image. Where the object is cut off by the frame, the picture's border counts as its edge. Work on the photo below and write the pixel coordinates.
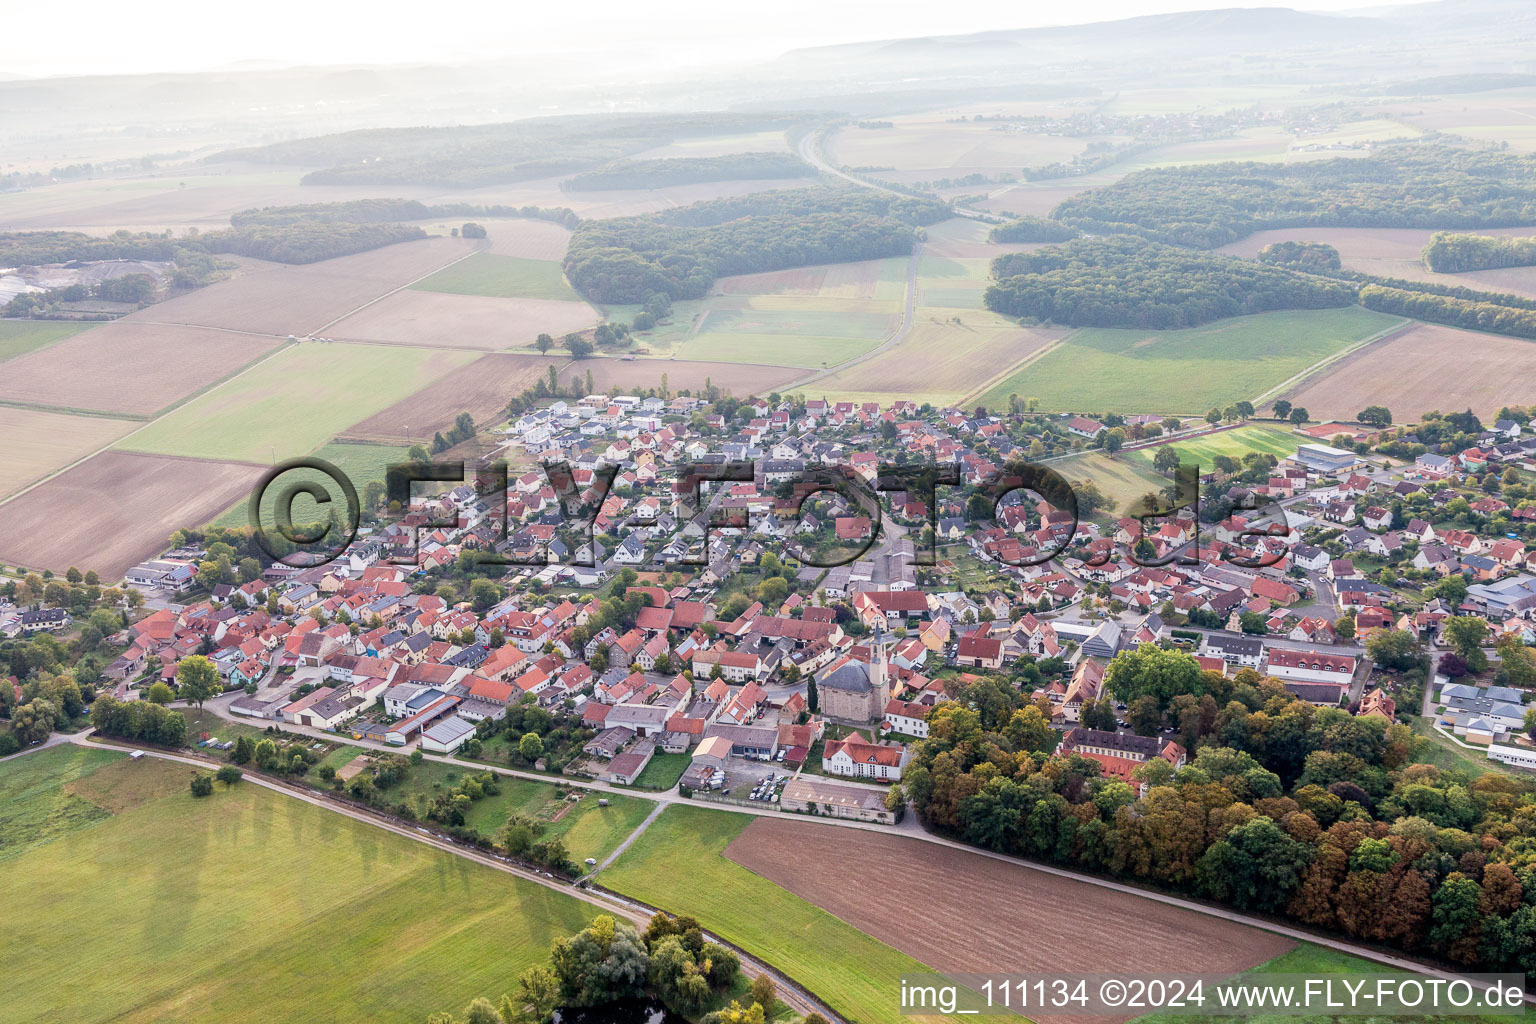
(1187, 371)
(1444, 754)
(37, 807)
(1256, 437)
(677, 865)
(201, 721)
(294, 402)
(1121, 480)
(1310, 959)
(588, 830)
(663, 771)
(508, 277)
(248, 906)
(18, 337)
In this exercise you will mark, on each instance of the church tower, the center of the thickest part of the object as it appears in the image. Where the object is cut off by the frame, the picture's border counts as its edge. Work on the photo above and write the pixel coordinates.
(879, 675)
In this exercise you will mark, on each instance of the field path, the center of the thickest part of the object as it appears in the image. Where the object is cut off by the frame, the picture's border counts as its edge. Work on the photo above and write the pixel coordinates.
(908, 313)
(392, 291)
(650, 819)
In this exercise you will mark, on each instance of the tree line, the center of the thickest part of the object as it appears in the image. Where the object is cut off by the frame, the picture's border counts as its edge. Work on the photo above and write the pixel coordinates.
(1470, 314)
(680, 252)
(1284, 808)
(1123, 281)
(1404, 185)
(1451, 252)
(660, 173)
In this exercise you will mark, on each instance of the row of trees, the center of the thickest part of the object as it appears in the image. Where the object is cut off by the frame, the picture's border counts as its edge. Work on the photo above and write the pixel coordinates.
(139, 720)
(1453, 253)
(1408, 185)
(687, 170)
(1284, 809)
(1125, 281)
(377, 211)
(680, 252)
(1472, 314)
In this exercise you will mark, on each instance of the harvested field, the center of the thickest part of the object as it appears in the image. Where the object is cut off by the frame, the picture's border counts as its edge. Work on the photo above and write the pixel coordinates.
(126, 367)
(441, 320)
(480, 388)
(295, 401)
(1432, 367)
(883, 280)
(38, 442)
(1055, 925)
(283, 300)
(769, 141)
(528, 239)
(618, 376)
(18, 337)
(963, 238)
(939, 361)
(1038, 199)
(919, 149)
(115, 509)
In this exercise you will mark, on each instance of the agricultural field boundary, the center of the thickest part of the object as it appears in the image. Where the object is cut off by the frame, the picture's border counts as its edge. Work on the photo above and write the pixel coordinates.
(145, 424)
(1013, 368)
(908, 316)
(1295, 382)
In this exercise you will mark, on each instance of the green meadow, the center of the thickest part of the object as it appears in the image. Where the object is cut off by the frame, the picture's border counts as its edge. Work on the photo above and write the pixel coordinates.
(244, 906)
(1097, 370)
(294, 402)
(508, 277)
(18, 337)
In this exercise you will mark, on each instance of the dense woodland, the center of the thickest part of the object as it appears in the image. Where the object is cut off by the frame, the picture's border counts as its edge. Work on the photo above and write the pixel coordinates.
(1404, 186)
(1032, 229)
(680, 252)
(1452, 253)
(1130, 282)
(470, 156)
(1284, 809)
(689, 170)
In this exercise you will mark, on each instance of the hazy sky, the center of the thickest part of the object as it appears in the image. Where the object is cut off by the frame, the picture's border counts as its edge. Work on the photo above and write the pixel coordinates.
(109, 36)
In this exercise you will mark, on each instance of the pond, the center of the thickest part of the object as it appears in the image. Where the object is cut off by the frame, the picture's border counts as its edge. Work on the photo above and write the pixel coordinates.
(620, 1011)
